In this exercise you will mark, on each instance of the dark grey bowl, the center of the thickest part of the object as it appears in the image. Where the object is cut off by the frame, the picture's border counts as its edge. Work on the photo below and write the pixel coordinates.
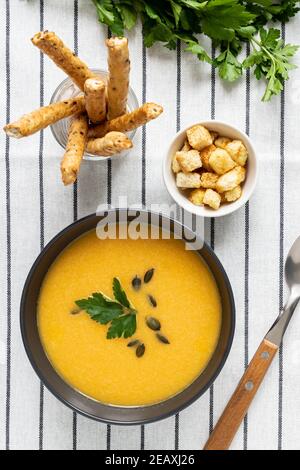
(73, 398)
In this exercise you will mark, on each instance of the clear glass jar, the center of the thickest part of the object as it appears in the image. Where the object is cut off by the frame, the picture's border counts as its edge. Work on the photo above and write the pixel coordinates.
(66, 90)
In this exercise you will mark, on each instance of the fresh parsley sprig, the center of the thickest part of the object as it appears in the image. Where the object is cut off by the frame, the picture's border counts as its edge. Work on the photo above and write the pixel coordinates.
(229, 23)
(271, 59)
(118, 311)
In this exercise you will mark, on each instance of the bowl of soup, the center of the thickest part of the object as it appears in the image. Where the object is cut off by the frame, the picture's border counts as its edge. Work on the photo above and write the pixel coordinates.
(127, 317)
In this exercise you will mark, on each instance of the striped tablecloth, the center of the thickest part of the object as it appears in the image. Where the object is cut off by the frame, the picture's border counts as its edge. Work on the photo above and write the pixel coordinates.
(251, 243)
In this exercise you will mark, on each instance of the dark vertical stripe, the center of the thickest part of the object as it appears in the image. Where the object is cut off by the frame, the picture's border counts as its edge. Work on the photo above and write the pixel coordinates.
(177, 427)
(246, 313)
(8, 230)
(108, 437)
(75, 195)
(142, 446)
(144, 84)
(143, 195)
(212, 222)
(281, 251)
(178, 124)
(74, 430)
(246, 258)
(41, 145)
(109, 164)
(75, 185)
(76, 27)
(41, 417)
(109, 176)
(247, 123)
(213, 87)
(42, 221)
(178, 87)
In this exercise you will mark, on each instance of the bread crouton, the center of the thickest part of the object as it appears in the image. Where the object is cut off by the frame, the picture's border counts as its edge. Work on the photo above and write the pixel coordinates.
(196, 196)
(209, 180)
(212, 199)
(220, 161)
(175, 165)
(205, 154)
(189, 161)
(222, 142)
(214, 135)
(237, 151)
(186, 146)
(231, 179)
(223, 200)
(199, 137)
(233, 194)
(188, 180)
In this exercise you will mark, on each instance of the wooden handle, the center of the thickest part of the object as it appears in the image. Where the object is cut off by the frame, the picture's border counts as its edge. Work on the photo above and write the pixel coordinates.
(236, 409)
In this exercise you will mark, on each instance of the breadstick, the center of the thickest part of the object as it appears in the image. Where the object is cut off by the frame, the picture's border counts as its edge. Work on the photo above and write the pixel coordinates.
(118, 77)
(129, 121)
(75, 149)
(95, 99)
(63, 57)
(43, 117)
(113, 142)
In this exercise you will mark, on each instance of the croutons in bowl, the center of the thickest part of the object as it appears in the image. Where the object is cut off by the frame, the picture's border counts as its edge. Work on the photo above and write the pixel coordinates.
(210, 169)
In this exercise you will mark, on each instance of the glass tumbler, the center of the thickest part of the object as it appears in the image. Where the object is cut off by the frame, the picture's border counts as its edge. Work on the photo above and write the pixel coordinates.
(66, 90)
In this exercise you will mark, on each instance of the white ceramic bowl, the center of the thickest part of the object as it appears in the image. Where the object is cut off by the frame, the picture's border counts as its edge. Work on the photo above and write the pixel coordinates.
(181, 197)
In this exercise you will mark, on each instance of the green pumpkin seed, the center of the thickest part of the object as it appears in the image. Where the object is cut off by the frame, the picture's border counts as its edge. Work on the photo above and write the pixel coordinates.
(153, 323)
(75, 311)
(140, 350)
(162, 338)
(148, 275)
(136, 283)
(152, 301)
(134, 342)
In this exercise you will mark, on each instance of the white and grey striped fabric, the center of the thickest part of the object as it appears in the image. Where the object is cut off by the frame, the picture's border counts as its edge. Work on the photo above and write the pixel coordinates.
(251, 243)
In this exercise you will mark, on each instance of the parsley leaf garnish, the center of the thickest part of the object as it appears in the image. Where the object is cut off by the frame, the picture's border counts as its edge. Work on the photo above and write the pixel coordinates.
(119, 311)
(100, 308)
(119, 293)
(122, 326)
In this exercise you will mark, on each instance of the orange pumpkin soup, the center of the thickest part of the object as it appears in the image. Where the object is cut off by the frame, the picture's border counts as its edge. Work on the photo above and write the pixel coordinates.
(185, 301)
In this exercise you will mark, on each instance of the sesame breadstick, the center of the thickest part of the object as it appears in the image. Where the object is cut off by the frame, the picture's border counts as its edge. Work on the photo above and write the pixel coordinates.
(43, 117)
(95, 99)
(110, 144)
(63, 57)
(75, 148)
(129, 121)
(118, 78)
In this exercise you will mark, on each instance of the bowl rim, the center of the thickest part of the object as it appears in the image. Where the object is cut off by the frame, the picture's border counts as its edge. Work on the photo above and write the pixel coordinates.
(88, 156)
(203, 211)
(43, 377)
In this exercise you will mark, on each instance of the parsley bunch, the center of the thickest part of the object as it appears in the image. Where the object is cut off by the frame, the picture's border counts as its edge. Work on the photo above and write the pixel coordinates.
(118, 311)
(229, 23)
